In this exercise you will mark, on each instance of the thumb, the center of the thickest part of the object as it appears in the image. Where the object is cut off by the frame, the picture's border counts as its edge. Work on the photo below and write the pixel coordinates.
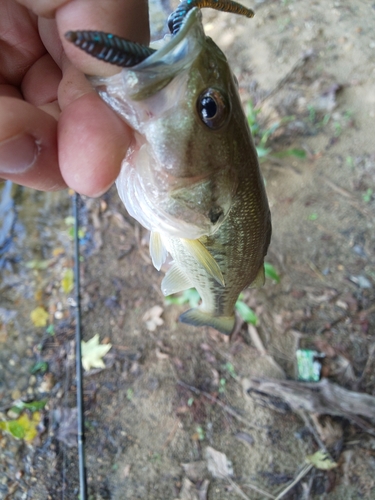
(124, 18)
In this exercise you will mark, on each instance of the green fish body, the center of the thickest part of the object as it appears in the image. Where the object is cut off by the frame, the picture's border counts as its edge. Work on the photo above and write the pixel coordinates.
(192, 175)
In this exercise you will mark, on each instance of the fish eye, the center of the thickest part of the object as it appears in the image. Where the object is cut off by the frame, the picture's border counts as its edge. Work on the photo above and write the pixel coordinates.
(213, 108)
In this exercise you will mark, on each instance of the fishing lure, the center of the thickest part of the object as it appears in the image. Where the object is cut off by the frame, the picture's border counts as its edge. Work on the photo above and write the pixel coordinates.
(124, 53)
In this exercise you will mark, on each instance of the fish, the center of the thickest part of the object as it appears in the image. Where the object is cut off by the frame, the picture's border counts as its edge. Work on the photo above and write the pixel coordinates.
(191, 175)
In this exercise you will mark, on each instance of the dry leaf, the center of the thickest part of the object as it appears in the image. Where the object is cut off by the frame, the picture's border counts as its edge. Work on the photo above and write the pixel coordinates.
(218, 463)
(65, 420)
(188, 490)
(330, 430)
(39, 316)
(58, 251)
(195, 471)
(152, 318)
(93, 352)
(67, 282)
(321, 461)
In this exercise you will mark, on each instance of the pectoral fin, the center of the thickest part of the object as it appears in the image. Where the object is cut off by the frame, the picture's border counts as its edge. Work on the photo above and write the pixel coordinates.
(158, 251)
(175, 281)
(225, 324)
(259, 279)
(203, 256)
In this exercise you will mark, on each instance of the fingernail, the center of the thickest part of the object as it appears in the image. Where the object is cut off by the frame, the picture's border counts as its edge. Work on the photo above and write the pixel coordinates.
(18, 154)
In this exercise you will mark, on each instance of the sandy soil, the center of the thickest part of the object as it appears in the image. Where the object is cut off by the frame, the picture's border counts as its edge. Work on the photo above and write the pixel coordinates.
(168, 396)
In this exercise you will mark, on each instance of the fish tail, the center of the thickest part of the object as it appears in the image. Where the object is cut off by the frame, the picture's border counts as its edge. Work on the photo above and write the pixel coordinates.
(225, 324)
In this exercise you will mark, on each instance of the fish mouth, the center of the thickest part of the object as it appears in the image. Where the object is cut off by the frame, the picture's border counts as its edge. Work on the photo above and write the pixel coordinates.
(174, 54)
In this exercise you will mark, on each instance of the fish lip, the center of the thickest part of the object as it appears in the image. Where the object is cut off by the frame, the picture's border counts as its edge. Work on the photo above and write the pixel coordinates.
(193, 17)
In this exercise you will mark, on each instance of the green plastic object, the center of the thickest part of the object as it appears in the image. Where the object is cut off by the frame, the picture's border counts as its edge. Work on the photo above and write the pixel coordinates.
(308, 365)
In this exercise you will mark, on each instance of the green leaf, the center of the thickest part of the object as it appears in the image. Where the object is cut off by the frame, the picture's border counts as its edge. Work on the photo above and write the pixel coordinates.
(16, 428)
(38, 264)
(33, 406)
(298, 153)
(367, 196)
(262, 152)
(271, 272)
(23, 427)
(190, 296)
(313, 216)
(246, 313)
(50, 330)
(39, 367)
(321, 461)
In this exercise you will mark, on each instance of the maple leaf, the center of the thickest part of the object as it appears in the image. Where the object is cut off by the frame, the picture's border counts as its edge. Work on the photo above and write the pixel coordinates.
(39, 316)
(23, 427)
(93, 352)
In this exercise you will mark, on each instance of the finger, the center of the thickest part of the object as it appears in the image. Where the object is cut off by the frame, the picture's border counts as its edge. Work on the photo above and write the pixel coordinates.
(45, 8)
(9, 91)
(92, 143)
(126, 18)
(20, 44)
(41, 82)
(28, 150)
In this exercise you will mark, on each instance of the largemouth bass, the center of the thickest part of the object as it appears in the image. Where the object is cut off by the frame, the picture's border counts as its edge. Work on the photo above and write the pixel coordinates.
(191, 175)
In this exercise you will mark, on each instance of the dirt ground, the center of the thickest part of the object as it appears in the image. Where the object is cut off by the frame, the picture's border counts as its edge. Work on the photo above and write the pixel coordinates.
(169, 398)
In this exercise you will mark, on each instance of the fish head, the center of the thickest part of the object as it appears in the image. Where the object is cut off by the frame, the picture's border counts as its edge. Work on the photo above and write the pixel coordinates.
(180, 174)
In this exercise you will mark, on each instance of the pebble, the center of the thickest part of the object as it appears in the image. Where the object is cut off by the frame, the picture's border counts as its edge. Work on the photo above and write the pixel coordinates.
(16, 394)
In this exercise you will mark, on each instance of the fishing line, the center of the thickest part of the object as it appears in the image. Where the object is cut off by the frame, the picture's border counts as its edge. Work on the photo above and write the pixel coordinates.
(78, 338)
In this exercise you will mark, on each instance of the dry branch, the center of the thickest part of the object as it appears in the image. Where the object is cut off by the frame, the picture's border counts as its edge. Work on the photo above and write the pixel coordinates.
(322, 397)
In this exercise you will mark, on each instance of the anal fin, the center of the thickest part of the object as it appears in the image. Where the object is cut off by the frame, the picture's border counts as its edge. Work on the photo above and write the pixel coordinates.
(224, 324)
(175, 281)
(203, 256)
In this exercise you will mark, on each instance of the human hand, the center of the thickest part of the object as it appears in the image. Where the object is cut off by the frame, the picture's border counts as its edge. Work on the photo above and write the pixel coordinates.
(55, 131)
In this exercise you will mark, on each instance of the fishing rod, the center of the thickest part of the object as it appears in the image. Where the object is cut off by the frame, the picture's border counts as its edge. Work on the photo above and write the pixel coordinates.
(79, 373)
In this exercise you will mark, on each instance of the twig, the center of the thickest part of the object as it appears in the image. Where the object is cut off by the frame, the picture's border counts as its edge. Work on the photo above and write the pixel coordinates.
(242, 494)
(225, 407)
(312, 428)
(172, 433)
(258, 490)
(369, 362)
(348, 196)
(256, 340)
(298, 478)
(323, 398)
(300, 62)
